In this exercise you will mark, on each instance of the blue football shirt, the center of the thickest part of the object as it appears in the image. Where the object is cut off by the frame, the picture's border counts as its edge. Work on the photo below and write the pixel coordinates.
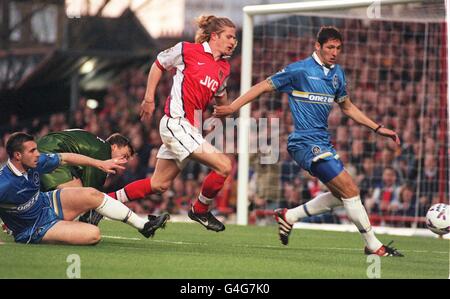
(312, 90)
(21, 202)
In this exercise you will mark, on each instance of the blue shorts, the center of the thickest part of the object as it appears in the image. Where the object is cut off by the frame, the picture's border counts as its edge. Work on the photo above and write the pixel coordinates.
(48, 217)
(313, 146)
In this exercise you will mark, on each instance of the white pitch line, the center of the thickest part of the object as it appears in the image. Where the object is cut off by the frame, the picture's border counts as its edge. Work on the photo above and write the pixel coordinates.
(424, 251)
(359, 249)
(179, 242)
(157, 241)
(264, 246)
(339, 248)
(120, 238)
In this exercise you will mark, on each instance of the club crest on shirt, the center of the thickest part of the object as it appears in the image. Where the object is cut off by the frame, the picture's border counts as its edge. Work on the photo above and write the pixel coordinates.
(335, 81)
(220, 75)
(316, 150)
(36, 179)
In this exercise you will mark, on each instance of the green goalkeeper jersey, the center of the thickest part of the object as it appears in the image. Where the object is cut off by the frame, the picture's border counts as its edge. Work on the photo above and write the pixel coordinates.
(78, 142)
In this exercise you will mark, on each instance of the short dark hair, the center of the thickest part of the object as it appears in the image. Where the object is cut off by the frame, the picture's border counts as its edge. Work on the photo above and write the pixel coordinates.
(327, 33)
(120, 141)
(390, 168)
(15, 142)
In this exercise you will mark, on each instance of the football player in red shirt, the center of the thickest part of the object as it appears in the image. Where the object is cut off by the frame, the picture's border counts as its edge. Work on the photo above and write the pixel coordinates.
(200, 71)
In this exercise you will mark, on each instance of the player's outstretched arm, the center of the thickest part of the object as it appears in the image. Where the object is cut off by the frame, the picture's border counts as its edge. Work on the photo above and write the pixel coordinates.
(254, 92)
(148, 103)
(357, 115)
(108, 166)
(222, 100)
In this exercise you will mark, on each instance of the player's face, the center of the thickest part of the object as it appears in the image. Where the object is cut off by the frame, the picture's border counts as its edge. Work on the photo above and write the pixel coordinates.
(329, 51)
(120, 152)
(29, 156)
(225, 42)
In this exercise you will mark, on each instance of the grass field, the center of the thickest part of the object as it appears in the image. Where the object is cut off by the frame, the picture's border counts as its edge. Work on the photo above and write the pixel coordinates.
(187, 250)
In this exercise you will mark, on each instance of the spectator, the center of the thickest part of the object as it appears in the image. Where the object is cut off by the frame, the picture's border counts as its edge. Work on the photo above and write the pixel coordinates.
(367, 180)
(406, 204)
(386, 197)
(429, 183)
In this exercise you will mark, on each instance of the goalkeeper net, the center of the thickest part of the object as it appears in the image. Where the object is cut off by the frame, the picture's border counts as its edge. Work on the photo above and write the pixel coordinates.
(394, 57)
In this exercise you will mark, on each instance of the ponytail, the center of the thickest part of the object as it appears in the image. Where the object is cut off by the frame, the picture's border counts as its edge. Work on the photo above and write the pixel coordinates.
(209, 24)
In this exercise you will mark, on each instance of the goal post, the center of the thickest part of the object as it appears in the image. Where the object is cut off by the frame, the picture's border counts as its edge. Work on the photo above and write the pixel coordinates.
(249, 15)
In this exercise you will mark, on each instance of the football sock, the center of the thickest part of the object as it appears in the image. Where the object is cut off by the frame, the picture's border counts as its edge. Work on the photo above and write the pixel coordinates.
(358, 215)
(116, 210)
(318, 205)
(134, 190)
(201, 205)
(212, 184)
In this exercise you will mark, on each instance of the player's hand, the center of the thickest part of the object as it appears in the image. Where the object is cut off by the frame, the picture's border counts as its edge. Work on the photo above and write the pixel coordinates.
(147, 108)
(389, 133)
(222, 111)
(111, 165)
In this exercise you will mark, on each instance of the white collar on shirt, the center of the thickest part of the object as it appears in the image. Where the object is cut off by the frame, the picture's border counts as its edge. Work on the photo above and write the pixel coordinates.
(206, 47)
(317, 59)
(15, 170)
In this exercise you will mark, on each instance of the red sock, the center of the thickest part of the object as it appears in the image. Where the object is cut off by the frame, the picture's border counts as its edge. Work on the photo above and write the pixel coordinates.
(200, 207)
(212, 184)
(134, 190)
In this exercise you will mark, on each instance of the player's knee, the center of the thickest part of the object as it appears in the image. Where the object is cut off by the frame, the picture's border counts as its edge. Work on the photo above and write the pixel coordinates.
(160, 187)
(225, 167)
(94, 236)
(95, 197)
(93, 193)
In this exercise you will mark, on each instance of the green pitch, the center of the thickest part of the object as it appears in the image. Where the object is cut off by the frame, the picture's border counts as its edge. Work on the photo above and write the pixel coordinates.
(187, 250)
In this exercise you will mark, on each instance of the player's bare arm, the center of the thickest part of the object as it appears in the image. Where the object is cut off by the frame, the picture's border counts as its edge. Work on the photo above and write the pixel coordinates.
(108, 166)
(349, 109)
(148, 104)
(254, 92)
(222, 100)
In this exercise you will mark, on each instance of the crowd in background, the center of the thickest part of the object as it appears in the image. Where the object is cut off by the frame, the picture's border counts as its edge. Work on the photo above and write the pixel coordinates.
(392, 77)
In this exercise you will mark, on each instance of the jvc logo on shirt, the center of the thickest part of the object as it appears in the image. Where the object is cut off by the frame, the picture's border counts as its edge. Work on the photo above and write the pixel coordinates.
(210, 83)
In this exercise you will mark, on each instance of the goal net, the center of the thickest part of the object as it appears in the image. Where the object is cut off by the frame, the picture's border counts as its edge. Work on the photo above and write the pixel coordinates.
(395, 60)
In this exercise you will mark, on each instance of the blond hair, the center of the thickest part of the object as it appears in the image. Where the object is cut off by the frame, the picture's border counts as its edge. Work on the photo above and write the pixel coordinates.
(209, 24)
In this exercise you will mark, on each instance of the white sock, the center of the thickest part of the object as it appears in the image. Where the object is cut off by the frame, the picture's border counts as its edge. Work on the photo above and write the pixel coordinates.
(318, 205)
(116, 210)
(358, 215)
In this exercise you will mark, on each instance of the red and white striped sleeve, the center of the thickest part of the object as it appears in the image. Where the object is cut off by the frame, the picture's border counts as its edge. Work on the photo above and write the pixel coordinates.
(170, 58)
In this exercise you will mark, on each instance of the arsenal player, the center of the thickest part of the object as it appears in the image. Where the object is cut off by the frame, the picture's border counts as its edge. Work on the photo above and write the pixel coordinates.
(200, 71)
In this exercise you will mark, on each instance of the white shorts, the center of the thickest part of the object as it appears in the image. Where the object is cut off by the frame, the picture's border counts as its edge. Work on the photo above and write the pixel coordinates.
(179, 138)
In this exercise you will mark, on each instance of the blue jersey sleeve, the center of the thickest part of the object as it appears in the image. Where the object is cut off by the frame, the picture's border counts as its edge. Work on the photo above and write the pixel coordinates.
(341, 93)
(47, 163)
(4, 187)
(284, 79)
